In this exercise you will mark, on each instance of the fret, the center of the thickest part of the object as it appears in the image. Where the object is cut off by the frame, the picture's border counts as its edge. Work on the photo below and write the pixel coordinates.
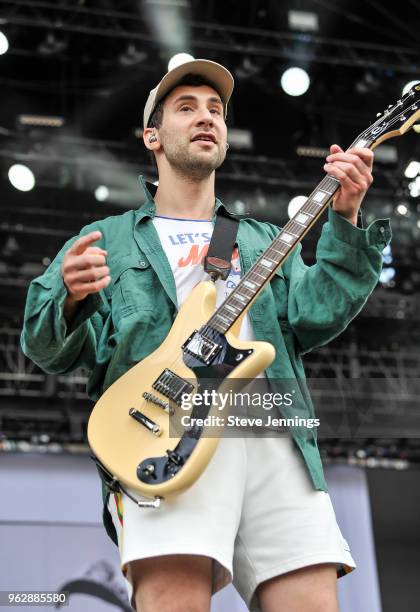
(285, 237)
(319, 196)
(249, 284)
(277, 250)
(237, 296)
(268, 263)
(295, 227)
(222, 317)
(305, 213)
(289, 226)
(233, 309)
(258, 274)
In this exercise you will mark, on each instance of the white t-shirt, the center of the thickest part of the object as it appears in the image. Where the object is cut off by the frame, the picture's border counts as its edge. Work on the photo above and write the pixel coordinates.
(186, 242)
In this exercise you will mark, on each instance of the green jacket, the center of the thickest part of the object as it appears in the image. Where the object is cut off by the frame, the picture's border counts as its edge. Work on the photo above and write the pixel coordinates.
(301, 308)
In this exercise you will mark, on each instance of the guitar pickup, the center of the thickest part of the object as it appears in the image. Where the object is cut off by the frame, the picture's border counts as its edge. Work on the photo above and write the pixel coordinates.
(145, 421)
(201, 347)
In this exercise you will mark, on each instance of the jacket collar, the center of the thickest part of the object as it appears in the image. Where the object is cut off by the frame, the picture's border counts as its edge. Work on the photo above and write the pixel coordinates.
(148, 208)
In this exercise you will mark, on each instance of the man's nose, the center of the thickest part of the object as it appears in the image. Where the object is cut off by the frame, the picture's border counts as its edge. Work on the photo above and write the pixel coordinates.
(205, 117)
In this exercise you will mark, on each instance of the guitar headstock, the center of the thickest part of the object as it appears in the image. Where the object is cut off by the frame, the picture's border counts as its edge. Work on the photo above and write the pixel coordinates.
(396, 120)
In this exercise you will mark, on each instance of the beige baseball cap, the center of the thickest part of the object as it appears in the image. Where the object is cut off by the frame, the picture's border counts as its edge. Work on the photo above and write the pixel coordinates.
(212, 71)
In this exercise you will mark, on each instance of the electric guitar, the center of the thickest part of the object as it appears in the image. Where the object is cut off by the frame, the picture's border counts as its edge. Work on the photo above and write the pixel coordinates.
(129, 429)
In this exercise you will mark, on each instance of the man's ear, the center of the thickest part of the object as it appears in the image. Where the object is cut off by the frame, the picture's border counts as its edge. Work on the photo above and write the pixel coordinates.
(151, 138)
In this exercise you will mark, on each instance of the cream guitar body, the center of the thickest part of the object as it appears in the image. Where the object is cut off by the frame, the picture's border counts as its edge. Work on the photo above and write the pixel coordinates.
(133, 447)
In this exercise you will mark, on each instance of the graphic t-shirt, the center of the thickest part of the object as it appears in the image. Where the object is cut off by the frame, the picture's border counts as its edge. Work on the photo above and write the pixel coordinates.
(186, 243)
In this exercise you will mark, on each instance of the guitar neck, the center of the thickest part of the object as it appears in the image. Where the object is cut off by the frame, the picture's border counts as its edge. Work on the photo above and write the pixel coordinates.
(241, 298)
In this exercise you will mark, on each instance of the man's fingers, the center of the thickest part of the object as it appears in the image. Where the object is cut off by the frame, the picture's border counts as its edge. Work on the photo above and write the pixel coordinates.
(84, 242)
(365, 154)
(86, 261)
(93, 287)
(86, 276)
(335, 148)
(96, 251)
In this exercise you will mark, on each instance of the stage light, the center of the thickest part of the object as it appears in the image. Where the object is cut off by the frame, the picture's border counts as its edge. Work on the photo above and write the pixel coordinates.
(295, 205)
(387, 275)
(4, 43)
(387, 255)
(402, 209)
(295, 81)
(101, 193)
(409, 85)
(178, 59)
(240, 139)
(412, 170)
(303, 21)
(21, 177)
(414, 188)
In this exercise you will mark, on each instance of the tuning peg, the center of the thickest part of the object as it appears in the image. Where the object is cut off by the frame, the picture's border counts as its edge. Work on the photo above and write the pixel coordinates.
(390, 105)
(379, 114)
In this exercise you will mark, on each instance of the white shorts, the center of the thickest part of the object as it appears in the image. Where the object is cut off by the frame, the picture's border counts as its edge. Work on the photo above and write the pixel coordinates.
(254, 511)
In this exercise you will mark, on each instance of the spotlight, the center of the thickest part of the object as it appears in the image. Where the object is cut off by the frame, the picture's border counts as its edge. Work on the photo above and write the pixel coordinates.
(295, 205)
(295, 81)
(178, 59)
(303, 21)
(408, 86)
(414, 188)
(387, 275)
(4, 43)
(412, 170)
(387, 255)
(101, 193)
(21, 177)
(402, 209)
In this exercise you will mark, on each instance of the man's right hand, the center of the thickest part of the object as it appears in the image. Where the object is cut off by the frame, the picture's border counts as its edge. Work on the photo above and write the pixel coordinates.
(84, 268)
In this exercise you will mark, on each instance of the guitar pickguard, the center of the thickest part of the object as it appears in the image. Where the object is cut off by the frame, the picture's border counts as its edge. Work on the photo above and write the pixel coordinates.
(212, 358)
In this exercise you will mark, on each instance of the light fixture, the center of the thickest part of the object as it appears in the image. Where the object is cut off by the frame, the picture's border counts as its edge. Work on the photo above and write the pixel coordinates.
(303, 21)
(178, 59)
(240, 139)
(21, 177)
(101, 193)
(4, 43)
(414, 188)
(402, 209)
(387, 255)
(295, 81)
(40, 121)
(387, 275)
(412, 170)
(295, 205)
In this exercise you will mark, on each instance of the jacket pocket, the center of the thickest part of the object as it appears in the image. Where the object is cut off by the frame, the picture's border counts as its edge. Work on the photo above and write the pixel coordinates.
(132, 288)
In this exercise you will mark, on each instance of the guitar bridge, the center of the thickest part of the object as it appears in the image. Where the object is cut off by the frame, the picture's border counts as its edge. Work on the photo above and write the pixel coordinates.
(201, 347)
(172, 386)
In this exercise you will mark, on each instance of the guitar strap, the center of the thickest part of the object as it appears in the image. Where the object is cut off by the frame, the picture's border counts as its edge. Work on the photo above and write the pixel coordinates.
(217, 262)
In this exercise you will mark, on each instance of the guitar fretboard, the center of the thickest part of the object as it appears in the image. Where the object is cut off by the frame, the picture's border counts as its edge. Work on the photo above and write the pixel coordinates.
(263, 269)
